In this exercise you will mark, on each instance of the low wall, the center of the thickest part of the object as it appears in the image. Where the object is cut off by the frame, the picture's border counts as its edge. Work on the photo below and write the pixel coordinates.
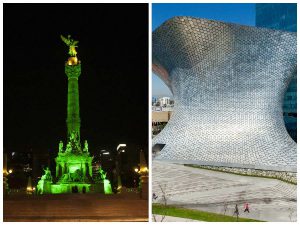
(290, 177)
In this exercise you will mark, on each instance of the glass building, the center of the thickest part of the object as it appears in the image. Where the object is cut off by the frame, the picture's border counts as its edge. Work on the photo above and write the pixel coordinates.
(282, 16)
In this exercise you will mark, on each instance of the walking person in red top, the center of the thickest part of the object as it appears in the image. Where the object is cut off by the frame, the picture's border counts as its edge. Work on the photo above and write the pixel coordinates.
(246, 206)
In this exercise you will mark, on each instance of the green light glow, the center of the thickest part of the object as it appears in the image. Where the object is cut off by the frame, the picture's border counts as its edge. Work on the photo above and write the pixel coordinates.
(70, 188)
(73, 118)
(73, 168)
(73, 162)
(72, 44)
(44, 184)
(107, 187)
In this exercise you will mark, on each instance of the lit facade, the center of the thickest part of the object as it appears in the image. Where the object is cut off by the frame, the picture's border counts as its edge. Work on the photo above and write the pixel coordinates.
(228, 83)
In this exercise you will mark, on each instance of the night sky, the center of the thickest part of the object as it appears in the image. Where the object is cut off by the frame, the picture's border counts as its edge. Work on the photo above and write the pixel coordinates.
(113, 86)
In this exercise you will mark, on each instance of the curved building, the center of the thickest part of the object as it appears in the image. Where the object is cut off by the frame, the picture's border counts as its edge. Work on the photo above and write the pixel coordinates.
(228, 83)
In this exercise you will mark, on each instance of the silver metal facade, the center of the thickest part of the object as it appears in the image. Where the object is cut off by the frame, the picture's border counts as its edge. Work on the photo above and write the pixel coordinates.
(228, 83)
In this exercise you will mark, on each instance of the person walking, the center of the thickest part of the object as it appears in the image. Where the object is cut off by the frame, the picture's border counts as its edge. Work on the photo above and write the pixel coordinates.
(236, 212)
(246, 206)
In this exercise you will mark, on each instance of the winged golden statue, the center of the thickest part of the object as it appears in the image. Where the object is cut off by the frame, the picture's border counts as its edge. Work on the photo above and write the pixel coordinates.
(71, 43)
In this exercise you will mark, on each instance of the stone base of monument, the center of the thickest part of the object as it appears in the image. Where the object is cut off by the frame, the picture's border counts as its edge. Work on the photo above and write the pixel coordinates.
(70, 188)
(66, 188)
(97, 188)
(44, 187)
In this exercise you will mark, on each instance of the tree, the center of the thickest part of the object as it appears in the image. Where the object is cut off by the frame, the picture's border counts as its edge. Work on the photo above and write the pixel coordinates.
(164, 200)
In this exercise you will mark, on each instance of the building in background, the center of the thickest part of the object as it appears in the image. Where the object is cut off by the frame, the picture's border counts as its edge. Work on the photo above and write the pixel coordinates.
(162, 109)
(159, 121)
(281, 16)
(161, 117)
(17, 168)
(164, 101)
(154, 100)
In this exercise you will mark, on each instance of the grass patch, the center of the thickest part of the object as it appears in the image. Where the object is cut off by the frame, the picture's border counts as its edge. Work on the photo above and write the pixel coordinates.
(241, 174)
(195, 214)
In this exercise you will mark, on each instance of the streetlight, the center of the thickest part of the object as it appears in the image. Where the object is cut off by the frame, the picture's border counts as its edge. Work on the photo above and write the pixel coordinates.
(144, 169)
(120, 148)
(141, 170)
(121, 145)
(10, 171)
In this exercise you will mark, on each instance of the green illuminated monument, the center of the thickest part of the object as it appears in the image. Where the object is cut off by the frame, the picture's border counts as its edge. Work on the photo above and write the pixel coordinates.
(74, 162)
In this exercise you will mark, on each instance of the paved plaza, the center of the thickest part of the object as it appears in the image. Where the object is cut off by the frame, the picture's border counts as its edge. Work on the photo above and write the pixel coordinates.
(76, 207)
(200, 189)
(160, 218)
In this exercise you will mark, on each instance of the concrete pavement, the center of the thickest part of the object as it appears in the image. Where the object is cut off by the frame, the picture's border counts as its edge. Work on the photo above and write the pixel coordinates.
(200, 189)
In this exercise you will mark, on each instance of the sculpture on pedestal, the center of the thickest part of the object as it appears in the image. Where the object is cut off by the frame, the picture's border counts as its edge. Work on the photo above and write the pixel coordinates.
(60, 146)
(101, 178)
(71, 43)
(73, 163)
(44, 184)
(86, 146)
